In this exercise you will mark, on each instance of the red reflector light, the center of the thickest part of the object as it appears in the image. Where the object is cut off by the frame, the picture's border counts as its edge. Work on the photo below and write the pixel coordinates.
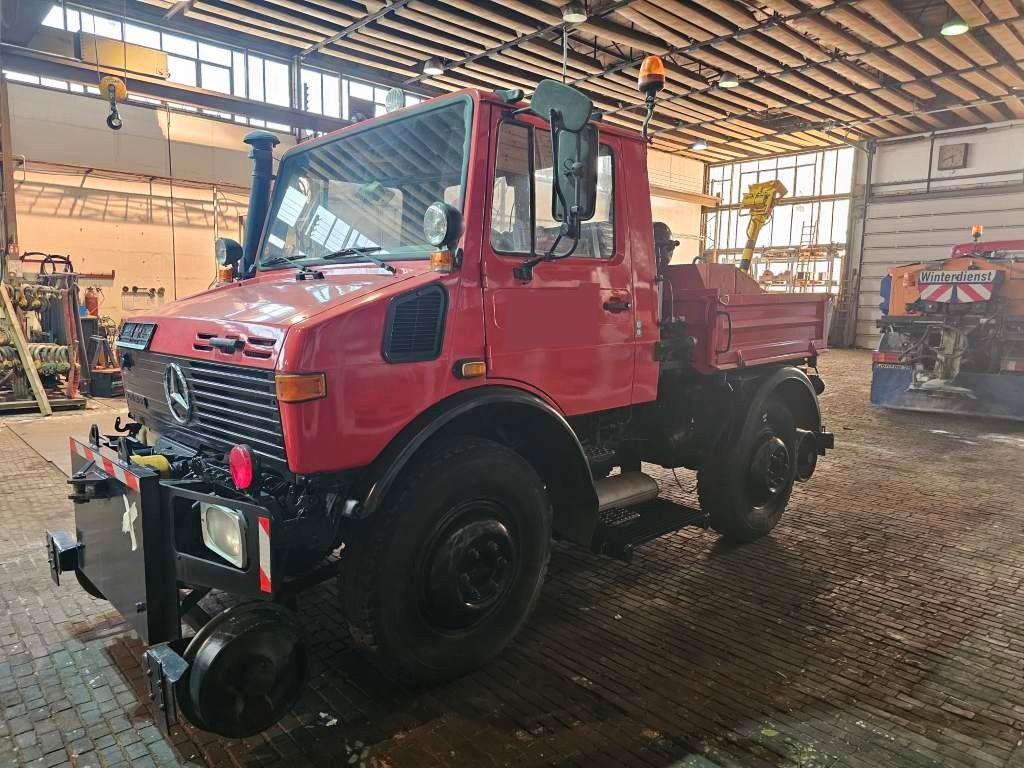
(242, 466)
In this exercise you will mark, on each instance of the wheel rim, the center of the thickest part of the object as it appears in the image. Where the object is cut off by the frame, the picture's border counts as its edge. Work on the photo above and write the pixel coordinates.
(470, 566)
(770, 469)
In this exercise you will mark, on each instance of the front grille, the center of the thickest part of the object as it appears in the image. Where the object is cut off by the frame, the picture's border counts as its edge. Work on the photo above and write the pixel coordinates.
(230, 404)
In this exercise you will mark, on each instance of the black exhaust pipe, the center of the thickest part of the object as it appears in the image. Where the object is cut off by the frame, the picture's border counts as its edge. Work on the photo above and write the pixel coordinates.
(262, 156)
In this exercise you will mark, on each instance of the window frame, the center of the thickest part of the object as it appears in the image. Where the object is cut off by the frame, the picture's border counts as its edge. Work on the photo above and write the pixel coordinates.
(300, 149)
(510, 119)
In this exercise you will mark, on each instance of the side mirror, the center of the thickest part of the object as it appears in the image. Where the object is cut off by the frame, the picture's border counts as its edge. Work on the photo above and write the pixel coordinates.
(228, 251)
(575, 173)
(573, 107)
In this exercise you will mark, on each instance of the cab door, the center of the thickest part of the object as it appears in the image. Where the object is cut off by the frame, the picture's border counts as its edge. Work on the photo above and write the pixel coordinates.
(569, 332)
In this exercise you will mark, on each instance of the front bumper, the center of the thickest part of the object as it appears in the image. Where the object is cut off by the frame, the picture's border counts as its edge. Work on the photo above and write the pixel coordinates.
(135, 542)
(135, 545)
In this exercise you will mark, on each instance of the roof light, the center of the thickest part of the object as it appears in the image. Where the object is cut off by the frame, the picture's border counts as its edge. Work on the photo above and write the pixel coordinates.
(433, 66)
(955, 26)
(699, 145)
(652, 75)
(728, 80)
(574, 13)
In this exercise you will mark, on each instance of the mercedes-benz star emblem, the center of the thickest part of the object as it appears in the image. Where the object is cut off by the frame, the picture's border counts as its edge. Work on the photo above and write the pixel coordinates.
(179, 401)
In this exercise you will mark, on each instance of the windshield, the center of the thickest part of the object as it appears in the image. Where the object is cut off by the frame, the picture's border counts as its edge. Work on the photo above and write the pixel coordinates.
(368, 190)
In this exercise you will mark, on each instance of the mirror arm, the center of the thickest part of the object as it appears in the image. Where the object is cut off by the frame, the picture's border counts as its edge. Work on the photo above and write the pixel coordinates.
(524, 271)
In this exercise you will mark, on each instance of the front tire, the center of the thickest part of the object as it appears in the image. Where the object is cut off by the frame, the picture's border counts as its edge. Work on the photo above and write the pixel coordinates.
(746, 482)
(446, 573)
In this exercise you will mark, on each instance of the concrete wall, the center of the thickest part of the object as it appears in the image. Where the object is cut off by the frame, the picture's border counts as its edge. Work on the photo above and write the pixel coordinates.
(103, 198)
(917, 213)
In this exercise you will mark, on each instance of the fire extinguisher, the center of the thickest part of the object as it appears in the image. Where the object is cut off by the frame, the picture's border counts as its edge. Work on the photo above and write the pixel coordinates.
(92, 302)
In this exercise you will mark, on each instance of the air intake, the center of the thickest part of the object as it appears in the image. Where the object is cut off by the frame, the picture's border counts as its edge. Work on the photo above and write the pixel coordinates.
(415, 325)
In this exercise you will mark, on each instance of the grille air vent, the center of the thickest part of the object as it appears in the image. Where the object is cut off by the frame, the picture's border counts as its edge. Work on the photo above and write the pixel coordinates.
(415, 325)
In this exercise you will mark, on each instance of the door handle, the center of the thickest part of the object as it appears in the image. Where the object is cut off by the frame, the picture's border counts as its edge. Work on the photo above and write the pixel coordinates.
(617, 305)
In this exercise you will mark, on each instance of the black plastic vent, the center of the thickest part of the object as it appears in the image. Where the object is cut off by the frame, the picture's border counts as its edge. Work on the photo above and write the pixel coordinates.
(415, 325)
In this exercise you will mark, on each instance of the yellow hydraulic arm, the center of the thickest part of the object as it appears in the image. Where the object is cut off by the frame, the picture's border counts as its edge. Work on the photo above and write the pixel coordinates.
(760, 199)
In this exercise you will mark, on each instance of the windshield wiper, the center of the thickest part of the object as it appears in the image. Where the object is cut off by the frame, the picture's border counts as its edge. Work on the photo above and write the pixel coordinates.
(359, 254)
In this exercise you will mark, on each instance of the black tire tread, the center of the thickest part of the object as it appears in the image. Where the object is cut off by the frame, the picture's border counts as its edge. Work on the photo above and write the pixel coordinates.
(369, 540)
(714, 484)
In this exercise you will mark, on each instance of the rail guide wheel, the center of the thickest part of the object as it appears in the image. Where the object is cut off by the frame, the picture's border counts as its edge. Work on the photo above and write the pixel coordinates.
(247, 668)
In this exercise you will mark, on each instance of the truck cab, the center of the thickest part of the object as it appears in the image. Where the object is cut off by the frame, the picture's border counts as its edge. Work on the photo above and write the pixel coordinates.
(451, 335)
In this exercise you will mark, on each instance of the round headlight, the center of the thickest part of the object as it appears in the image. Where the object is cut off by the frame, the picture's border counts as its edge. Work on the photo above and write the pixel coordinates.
(437, 223)
(228, 251)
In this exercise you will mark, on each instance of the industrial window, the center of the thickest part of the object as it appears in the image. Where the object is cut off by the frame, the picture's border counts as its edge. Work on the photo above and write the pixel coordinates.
(191, 62)
(195, 62)
(802, 247)
(521, 220)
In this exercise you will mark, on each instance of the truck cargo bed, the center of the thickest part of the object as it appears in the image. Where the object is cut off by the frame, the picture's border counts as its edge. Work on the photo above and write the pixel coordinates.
(737, 324)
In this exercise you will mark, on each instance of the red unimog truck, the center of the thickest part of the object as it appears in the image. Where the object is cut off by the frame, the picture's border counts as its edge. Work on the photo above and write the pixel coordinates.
(447, 326)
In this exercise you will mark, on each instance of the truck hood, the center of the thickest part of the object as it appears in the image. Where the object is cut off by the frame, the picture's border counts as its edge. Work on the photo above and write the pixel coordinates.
(258, 312)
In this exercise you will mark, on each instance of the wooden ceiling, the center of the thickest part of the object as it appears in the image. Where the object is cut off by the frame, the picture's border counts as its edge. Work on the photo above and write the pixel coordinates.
(812, 73)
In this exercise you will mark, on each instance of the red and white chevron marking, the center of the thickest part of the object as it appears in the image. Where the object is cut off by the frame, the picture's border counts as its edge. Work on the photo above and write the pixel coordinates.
(265, 583)
(957, 292)
(112, 468)
(968, 292)
(937, 292)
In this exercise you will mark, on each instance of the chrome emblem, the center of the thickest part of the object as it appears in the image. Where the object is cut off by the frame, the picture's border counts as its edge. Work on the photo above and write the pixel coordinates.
(176, 392)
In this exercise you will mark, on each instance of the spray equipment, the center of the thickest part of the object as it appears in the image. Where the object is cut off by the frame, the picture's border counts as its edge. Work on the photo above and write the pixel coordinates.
(650, 80)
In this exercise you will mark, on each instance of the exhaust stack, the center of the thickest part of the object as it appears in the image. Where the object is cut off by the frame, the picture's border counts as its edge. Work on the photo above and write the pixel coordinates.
(262, 156)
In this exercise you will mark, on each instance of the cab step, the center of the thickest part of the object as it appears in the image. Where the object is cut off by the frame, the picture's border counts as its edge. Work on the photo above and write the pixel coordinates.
(620, 531)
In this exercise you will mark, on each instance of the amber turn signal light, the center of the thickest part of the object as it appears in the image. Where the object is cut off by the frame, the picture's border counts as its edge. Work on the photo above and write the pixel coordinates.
(470, 369)
(652, 75)
(442, 261)
(300, 387)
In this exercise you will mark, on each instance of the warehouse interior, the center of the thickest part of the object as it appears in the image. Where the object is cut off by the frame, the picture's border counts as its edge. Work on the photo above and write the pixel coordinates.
(877, 625)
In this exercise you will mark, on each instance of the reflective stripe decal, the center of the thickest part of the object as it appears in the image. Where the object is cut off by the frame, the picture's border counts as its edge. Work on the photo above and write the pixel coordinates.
(112, 468)
(957, 293)
(264, 554)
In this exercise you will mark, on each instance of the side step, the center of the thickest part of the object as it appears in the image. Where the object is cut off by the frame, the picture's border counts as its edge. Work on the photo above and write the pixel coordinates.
(620, 531)
(625, 490)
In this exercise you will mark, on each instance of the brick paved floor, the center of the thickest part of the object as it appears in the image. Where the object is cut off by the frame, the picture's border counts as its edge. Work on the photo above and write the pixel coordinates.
(879, 625)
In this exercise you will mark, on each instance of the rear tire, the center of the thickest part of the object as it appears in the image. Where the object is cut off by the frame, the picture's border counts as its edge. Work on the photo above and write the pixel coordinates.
(746, 482)
(446, 573)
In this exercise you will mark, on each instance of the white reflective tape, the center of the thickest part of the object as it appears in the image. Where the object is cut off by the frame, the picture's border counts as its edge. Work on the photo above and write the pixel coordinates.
(264, 538)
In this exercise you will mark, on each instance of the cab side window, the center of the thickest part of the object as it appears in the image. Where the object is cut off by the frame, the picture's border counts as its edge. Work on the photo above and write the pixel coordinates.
(521, 220)
(511, 209)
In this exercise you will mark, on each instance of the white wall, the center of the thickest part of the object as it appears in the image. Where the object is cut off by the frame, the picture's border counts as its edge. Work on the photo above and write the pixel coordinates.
(150, 233)
(917, 213)
(677, 174)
